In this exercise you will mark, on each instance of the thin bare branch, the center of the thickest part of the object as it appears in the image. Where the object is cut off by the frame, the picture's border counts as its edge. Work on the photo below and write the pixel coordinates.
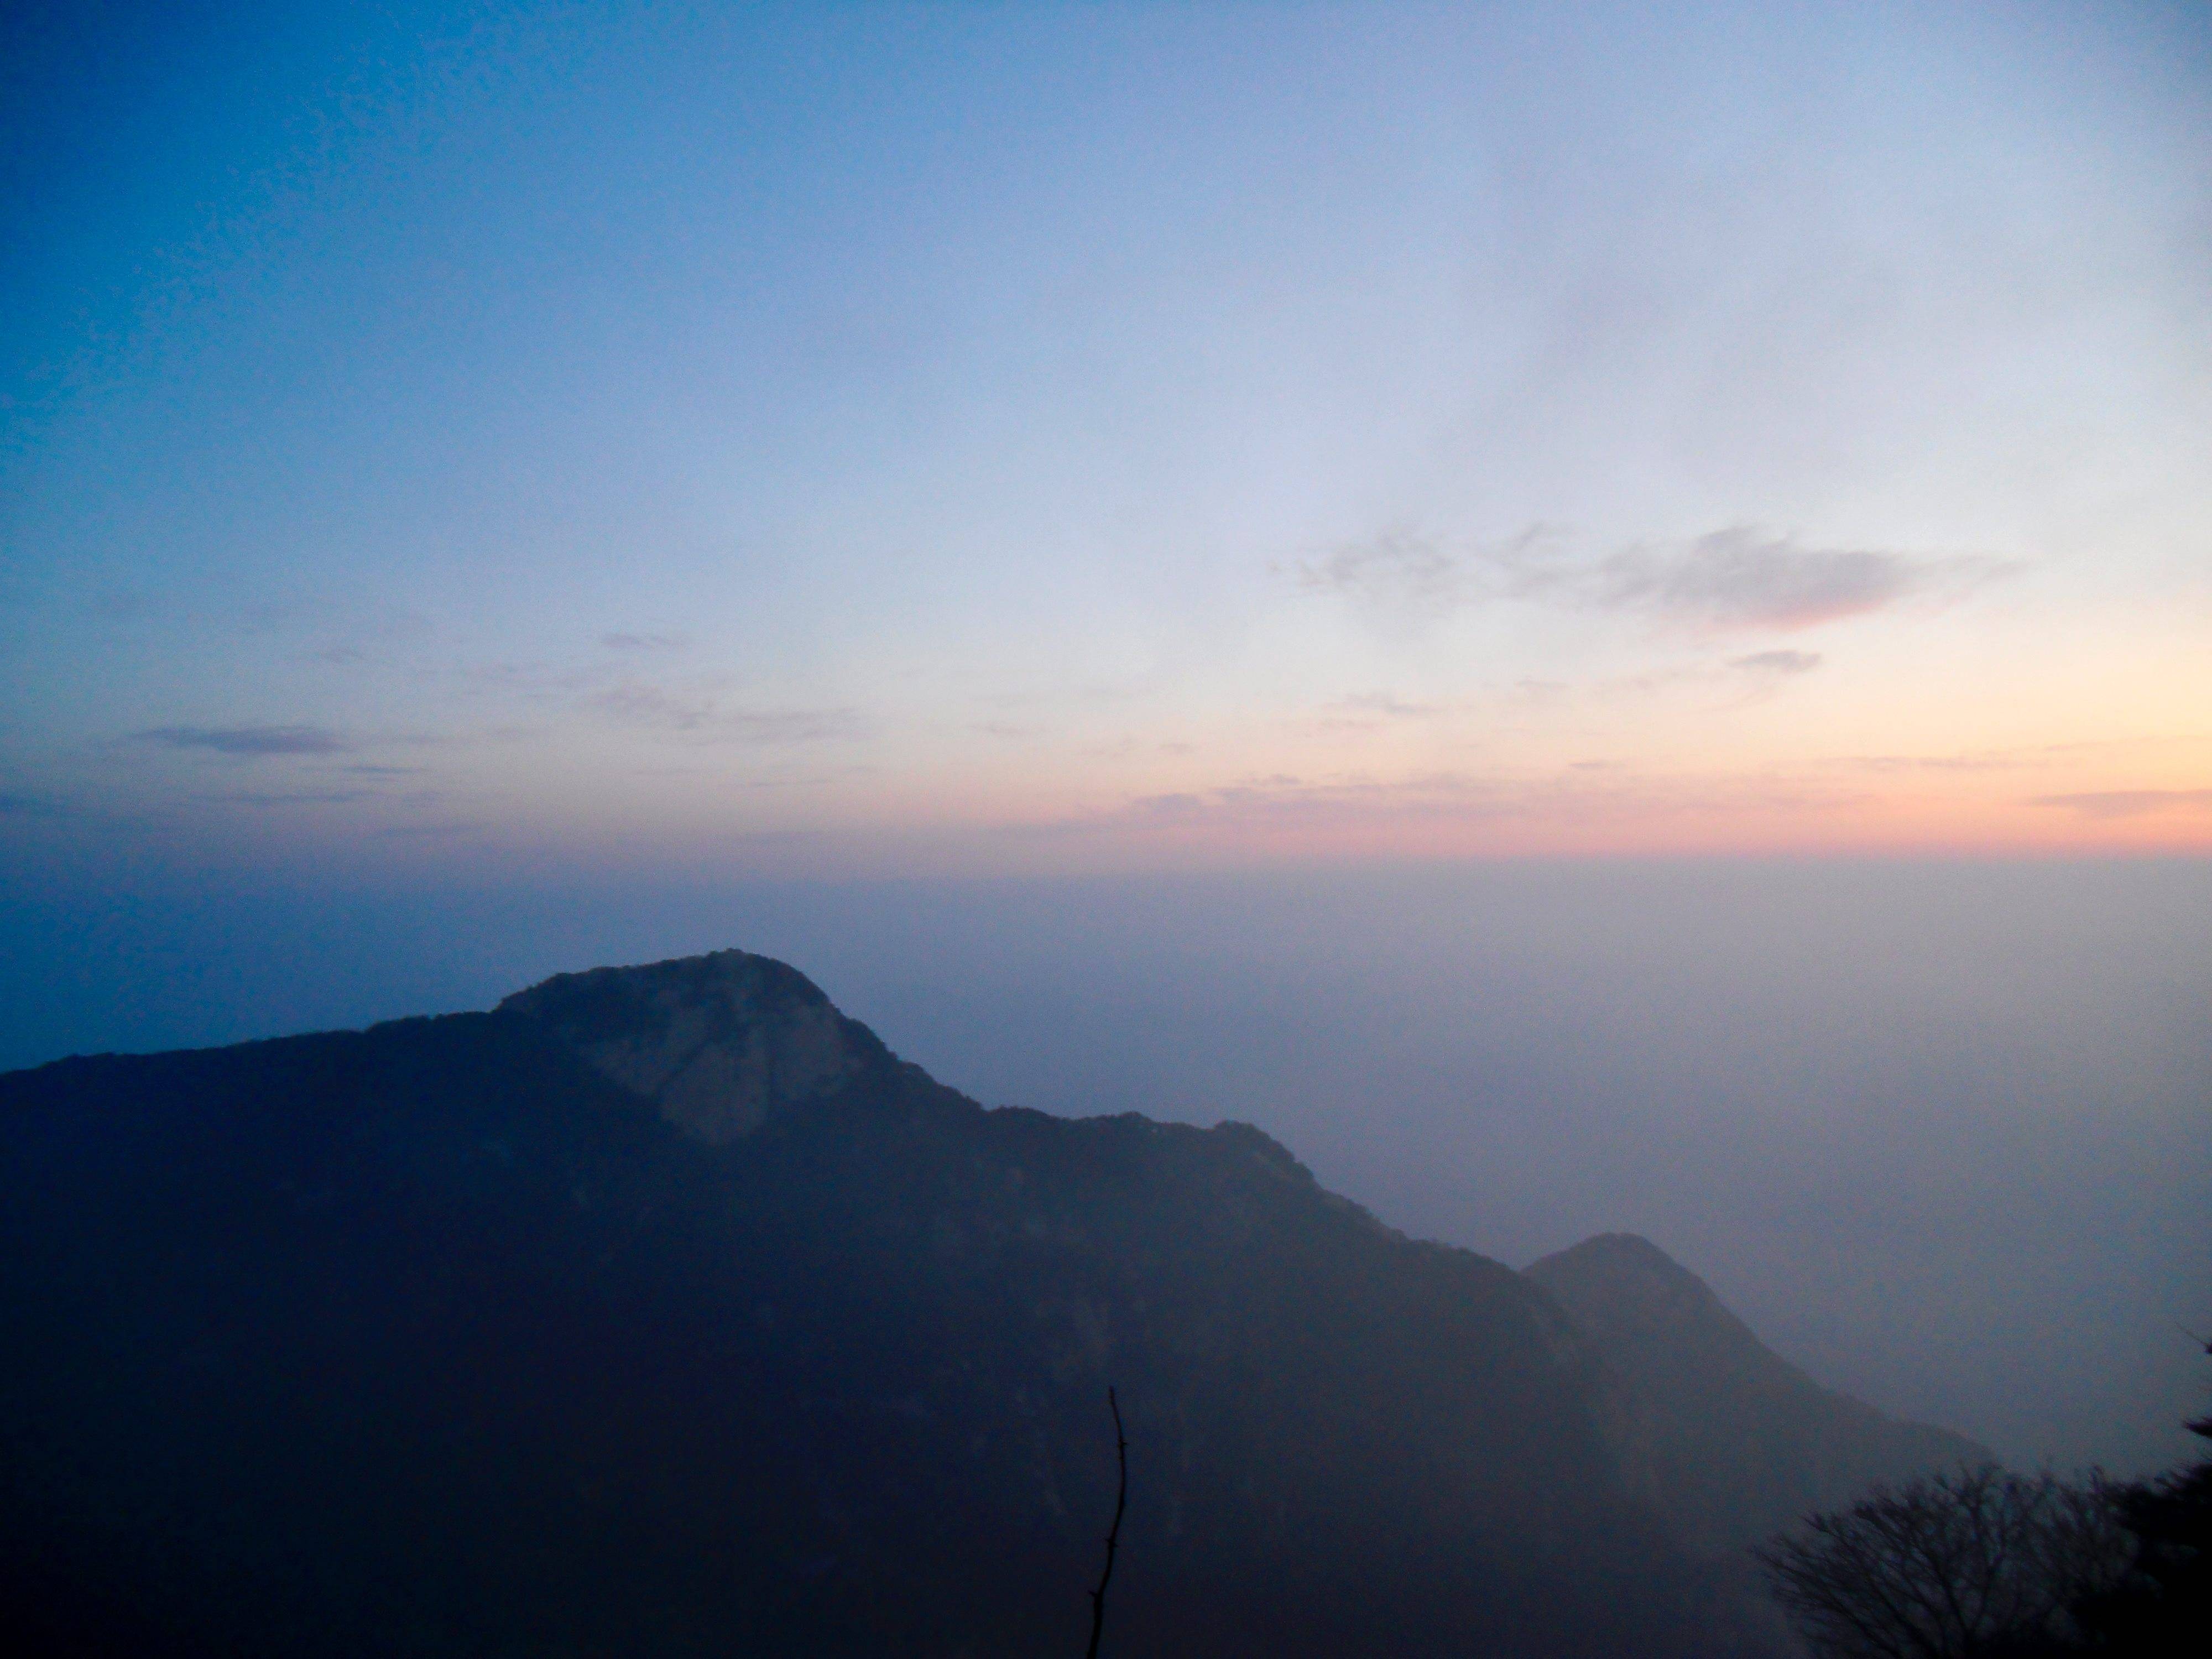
(1114, 1532)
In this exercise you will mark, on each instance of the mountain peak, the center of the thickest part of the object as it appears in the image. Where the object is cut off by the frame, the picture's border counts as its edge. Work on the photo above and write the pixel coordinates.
(1631, 1279)
(1619, 1250)
(1735, 1440)
(719, 1043)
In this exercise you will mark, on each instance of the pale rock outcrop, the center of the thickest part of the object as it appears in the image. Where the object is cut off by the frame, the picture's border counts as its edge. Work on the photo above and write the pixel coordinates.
(719, 1043)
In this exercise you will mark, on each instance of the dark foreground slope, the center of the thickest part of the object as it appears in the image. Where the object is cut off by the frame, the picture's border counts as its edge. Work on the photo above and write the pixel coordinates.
(1731, 1441)
(663, 1311)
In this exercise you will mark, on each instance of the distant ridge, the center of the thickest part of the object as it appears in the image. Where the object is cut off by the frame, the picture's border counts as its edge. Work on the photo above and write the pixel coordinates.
(1730, 1440)
(664, 1311)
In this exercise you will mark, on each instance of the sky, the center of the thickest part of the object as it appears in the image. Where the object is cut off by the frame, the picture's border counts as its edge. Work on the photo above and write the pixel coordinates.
(953, 439)
(1602, 615)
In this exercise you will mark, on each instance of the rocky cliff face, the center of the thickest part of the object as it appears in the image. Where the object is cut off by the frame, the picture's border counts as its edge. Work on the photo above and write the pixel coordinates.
(719, 1044)
(1731, 1441)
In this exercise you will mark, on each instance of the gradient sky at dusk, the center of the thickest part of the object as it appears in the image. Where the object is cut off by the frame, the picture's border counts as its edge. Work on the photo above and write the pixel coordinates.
(882, 439)
(1601, 616)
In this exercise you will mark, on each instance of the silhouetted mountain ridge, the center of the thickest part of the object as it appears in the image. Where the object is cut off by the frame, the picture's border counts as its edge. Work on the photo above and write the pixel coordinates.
(1731, 1441)
(664, 1311)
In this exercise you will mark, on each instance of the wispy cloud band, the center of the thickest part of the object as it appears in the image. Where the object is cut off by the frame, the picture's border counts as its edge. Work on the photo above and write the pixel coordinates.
(705, 717)
(1736, 578)
(2129, 803)
(251, 740)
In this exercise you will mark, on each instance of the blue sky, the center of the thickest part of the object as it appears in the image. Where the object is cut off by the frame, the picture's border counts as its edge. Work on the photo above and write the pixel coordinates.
(878, 438)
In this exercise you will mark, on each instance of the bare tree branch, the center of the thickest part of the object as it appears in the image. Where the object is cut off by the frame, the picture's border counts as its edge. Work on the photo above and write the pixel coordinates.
(1114, 1532)
(1948, 1565)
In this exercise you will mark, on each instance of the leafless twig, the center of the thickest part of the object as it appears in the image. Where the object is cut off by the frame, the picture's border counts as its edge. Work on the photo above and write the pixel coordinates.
(1114, 1533)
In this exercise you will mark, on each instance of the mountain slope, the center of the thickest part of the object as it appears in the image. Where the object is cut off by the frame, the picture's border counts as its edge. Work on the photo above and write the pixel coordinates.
(1732, 1442)
(664, 1311)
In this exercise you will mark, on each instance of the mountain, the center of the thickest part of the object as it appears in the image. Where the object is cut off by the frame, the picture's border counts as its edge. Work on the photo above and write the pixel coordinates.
(664, 1311)
(1729, 1441)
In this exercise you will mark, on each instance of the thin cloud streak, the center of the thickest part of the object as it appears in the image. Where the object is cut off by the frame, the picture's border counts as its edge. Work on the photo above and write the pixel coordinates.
(1383, 704)
(1284, 798)
(251, 741)
(2128, 802)
(1778, 662)
(294, 798)
(703, 717)
(1736, 578)
(1741, 578)
(620, 641)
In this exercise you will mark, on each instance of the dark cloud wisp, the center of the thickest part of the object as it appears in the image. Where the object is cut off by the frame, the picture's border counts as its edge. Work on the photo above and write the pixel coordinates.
(251, 740)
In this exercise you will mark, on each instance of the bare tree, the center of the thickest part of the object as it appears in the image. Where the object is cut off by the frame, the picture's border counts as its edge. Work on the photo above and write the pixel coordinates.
(1976, 1562)
(2164, 1606)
